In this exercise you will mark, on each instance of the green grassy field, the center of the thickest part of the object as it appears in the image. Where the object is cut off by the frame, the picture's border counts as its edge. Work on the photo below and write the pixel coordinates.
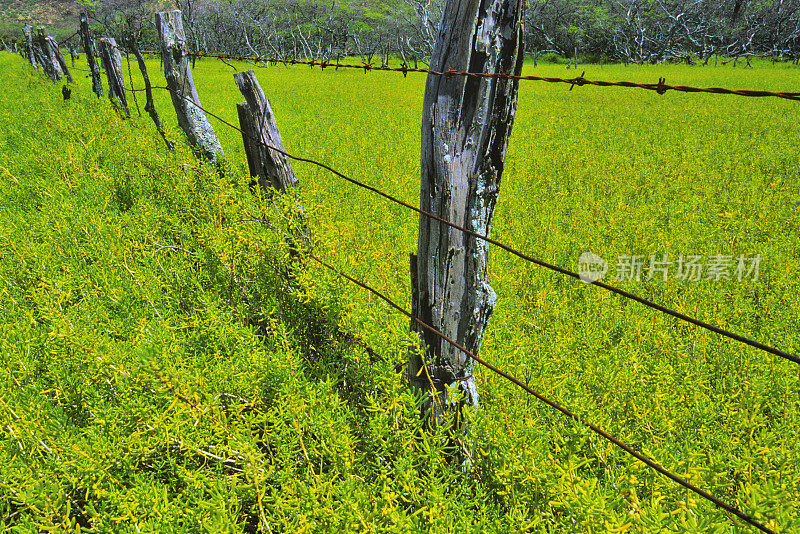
(153, 389)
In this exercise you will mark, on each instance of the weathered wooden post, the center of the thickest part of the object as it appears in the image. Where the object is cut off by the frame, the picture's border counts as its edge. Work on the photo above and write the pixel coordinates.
(40, 53)
(466, 124)
(73, 54)
(259, 128)
(48, 60)
(112, 63)
(29, 54)
(58, 57)
(191, 117)
(97, 84)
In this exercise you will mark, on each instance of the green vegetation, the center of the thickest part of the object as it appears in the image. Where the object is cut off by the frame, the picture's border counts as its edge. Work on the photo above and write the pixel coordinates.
(207, 388)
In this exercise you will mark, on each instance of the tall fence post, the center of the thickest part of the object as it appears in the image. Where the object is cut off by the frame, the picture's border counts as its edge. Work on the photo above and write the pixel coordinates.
(40, 53)
(49, 62)
(97, 83)
(466, 124)
(29, 54)
(191, 118)
(259, 128)
(111, 60)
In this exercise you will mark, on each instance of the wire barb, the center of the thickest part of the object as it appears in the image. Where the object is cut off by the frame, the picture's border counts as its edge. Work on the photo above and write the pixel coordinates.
(661, 88)
(579, 81)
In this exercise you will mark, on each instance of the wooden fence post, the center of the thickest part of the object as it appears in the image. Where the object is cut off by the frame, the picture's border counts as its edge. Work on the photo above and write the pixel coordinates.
(40, 53)
(29, 54)
(175, 57)
(111, 60)
(73, 54)
(97, 83)
(466, 124)
(48, 60)
(257, 121)
(57, 56)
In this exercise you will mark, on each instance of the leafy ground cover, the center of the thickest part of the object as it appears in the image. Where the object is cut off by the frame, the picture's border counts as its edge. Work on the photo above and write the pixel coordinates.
(167, 368)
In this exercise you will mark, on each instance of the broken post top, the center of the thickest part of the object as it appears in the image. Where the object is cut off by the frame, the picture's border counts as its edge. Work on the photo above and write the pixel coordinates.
(170, 27)
(112, 62)
(250, 88)
(175, 55)
(261, 132)
(490, 41)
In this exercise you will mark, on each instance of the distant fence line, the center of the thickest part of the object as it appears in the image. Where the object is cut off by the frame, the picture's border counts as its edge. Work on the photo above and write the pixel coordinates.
(267, 157)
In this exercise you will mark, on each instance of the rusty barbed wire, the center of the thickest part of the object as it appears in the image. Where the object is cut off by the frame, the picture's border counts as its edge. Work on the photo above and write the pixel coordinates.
(597, 430)
(660, 88)
(60, 43)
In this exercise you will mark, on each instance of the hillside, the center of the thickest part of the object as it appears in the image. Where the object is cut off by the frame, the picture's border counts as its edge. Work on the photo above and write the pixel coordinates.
(60, 14)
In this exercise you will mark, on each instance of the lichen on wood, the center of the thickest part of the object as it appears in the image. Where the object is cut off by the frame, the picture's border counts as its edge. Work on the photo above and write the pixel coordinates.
(466, 124)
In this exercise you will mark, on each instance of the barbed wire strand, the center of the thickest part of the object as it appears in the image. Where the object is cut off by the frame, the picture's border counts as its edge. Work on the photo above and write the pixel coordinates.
(661, 87)
(626, 294)
(63, 41)
(639, 456)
